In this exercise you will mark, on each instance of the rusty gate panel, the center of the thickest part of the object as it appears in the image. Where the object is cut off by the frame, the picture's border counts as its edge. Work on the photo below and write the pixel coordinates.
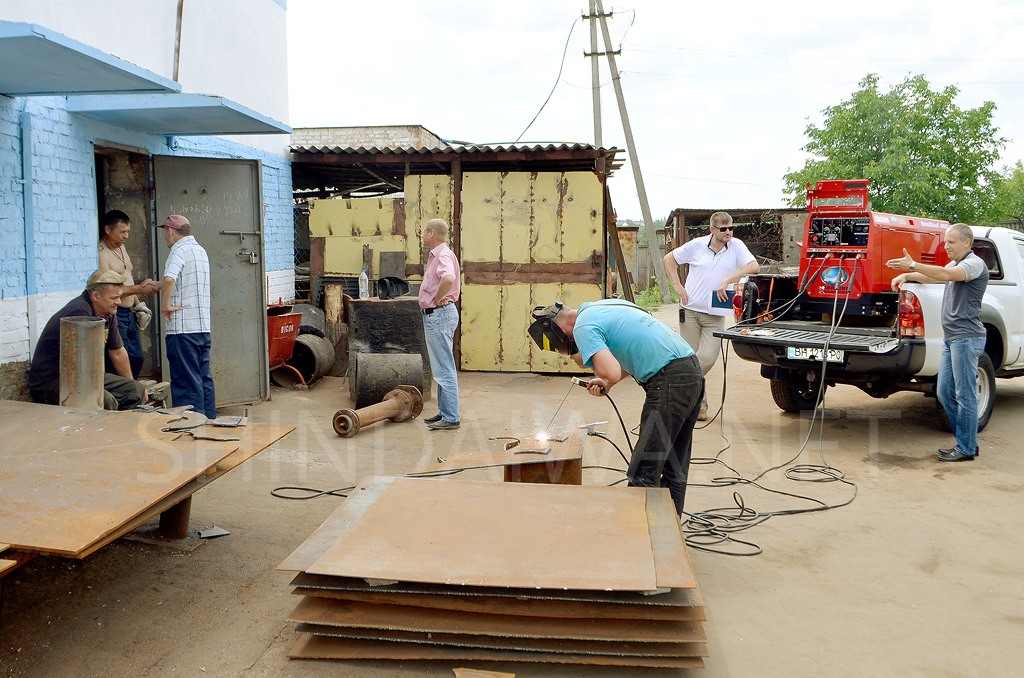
(528, 239)
(427, 196)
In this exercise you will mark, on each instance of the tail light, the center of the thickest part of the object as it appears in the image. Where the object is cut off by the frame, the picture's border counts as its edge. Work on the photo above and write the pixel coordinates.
(911, 317)
(737, 302)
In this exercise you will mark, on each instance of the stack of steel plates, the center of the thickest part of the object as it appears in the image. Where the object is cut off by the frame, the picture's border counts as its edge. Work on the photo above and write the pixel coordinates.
(419, 569)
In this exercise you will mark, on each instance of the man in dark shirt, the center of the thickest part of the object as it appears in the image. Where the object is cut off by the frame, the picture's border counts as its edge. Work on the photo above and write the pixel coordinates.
(965, 277)
(100, 299)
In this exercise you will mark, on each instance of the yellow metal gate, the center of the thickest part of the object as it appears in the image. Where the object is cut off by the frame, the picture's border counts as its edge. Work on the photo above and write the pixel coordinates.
(527, 239)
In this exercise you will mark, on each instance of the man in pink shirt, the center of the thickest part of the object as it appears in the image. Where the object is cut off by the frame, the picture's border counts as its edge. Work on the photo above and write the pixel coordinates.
(438, 294)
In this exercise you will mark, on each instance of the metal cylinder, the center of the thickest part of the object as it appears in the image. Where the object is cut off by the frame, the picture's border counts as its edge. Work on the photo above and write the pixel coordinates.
(312, 357)
(377, 373)
(82, 339)
(401, 403)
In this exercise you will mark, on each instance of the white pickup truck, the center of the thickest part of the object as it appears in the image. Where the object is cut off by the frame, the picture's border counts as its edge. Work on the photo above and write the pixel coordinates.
(883, 355)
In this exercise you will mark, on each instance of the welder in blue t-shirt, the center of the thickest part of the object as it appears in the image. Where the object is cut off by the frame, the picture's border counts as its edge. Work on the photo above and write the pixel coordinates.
(618, 339)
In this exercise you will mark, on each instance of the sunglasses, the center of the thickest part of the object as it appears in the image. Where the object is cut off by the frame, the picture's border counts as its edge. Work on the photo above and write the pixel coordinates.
(725, 228)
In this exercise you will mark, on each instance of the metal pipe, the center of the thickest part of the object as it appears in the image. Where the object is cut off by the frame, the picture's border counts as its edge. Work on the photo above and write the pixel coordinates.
(28, 207)
(81, 361)
(403, 402)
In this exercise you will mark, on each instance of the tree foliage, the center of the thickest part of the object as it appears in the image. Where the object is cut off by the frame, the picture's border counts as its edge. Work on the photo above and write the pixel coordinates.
(1008, 196)
(923, 154)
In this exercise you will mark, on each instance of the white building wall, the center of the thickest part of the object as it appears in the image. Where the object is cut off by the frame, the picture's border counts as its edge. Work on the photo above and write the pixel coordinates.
(231, 48)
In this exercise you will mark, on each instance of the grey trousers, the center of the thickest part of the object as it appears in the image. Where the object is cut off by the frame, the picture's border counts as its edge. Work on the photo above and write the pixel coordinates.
(699, 332)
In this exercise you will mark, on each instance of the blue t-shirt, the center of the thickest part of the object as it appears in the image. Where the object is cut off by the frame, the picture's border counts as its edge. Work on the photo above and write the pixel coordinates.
(640, 342)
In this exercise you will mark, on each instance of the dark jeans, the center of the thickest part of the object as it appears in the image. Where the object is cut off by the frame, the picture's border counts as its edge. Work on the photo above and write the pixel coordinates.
(661, 457)
(119, 393)
(188, 359)
(130, 336)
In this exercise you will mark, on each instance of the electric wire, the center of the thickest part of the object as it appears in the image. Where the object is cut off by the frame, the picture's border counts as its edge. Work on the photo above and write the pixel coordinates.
(557, 79)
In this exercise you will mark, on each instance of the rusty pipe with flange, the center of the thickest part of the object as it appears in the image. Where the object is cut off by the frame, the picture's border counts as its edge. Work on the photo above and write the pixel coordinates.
(399, 404)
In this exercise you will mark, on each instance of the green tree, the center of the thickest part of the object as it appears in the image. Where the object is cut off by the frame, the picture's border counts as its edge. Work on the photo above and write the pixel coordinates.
(1008, 199)
(923, 154)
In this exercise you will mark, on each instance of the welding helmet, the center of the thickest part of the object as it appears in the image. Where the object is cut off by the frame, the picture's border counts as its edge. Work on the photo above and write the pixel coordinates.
(547, 334)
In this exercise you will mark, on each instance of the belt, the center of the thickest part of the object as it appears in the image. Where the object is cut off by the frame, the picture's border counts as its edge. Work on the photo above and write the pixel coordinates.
(428, 311)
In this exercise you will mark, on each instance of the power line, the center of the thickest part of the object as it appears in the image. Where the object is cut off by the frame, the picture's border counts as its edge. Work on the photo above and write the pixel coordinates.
(815, 54)
(557, 79)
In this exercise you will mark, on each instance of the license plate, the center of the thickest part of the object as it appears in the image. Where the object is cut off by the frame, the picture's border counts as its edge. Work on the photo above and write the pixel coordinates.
(806, 353)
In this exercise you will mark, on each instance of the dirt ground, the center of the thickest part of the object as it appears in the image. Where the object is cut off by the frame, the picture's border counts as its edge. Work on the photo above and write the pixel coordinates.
(921, 575)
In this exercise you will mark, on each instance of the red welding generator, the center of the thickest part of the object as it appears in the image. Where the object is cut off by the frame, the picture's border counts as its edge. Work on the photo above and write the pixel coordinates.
(842, 260)
(846, 246)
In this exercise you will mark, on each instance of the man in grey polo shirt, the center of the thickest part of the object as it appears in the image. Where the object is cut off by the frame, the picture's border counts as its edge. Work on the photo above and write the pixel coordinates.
(965, 277)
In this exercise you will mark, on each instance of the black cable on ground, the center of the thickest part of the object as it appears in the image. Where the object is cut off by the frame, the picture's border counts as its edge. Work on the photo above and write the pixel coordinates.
(310, 493)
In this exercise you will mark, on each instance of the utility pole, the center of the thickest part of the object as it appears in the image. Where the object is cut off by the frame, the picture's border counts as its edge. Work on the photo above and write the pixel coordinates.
(653, 250)
(595, 72)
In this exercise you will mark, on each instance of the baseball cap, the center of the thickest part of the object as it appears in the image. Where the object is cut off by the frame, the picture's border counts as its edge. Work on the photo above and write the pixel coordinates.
(175, 221)
(103, 276)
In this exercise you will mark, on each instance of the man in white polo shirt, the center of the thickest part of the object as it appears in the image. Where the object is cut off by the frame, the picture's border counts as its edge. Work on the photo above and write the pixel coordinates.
(716, 261)
(185, 308)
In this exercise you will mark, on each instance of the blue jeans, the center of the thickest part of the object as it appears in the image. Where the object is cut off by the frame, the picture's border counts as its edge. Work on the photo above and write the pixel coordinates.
(130, 336)
(188, 359)
(439, 331)
(957, 389)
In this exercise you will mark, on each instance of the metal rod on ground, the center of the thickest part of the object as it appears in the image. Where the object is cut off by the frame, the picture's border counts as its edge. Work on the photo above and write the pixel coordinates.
(652, 237)
(401, 403)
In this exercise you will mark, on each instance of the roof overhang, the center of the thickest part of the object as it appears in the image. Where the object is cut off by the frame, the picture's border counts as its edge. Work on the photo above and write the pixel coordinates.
(40, 62)
(176, 114)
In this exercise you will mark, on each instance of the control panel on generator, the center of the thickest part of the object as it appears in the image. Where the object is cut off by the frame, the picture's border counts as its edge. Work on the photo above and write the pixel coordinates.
(846, 246)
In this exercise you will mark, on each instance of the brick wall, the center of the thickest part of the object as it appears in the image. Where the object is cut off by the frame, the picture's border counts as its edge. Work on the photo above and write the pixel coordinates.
(65, 204)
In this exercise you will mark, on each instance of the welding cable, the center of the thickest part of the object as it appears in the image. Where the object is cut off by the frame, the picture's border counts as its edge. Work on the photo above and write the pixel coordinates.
(612, 443)
(309, 492)
(607, 468)
(802, 288)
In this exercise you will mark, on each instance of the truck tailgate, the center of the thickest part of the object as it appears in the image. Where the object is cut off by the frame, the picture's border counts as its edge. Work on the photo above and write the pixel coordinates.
(813, 335)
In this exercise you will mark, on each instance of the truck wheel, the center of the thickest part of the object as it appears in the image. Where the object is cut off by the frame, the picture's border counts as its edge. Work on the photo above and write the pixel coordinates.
(793, 392)
(986, 395)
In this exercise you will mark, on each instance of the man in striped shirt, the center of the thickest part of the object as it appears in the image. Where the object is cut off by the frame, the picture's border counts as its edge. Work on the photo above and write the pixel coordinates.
(185, 308)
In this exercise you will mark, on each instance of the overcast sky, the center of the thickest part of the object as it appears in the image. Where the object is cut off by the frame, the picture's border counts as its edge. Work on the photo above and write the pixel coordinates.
(718, 93)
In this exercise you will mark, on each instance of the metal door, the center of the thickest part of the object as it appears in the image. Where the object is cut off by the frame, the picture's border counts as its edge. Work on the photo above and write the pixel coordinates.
(222, 201)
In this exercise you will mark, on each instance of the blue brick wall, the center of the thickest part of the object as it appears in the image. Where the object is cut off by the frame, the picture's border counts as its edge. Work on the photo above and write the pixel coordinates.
(64, 193)
(12, 223)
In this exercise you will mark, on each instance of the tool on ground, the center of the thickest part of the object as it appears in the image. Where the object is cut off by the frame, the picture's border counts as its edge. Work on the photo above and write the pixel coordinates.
(203, 436)
(592, 428)
(232, 422)
(512, 441)
(527, 450)
(401, 403)
(187, 420)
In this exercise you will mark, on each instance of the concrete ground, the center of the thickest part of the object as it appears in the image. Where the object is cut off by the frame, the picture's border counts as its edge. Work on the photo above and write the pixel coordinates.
(921, 575)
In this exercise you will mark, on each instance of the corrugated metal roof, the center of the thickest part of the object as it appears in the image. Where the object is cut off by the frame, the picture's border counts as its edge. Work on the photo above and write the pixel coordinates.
(453, 148)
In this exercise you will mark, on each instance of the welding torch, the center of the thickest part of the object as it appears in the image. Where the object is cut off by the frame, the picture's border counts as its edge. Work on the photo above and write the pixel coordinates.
(585, 383)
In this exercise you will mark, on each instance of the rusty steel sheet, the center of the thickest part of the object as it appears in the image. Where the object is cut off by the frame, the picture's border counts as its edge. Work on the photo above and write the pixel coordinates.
(669, 598)
(322, 647)
(400, 618)
(70, 477)
(670, 559)
(607, 647)
(569, 449)
(508, 534)
(254, 438)
(514, 606)
(332, 529)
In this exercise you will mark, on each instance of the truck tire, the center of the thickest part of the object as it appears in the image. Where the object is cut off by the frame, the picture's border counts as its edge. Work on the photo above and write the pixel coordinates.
(986, 395)
(792, 391)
